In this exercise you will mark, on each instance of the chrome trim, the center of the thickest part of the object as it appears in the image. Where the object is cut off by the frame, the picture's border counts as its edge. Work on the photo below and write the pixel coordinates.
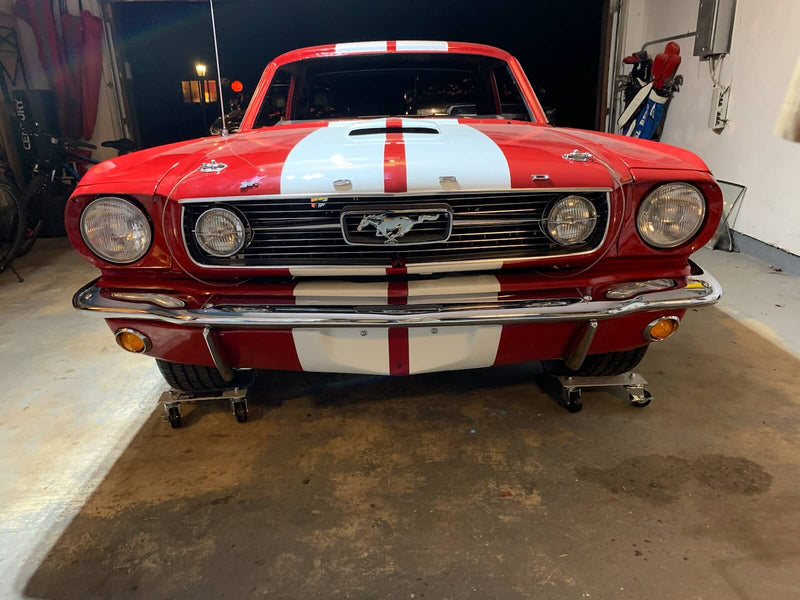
(651, 324)
(148, 345)
(414, 193)
(539, 177)
(164, 300)
(701, 290)
(617, 291)
(485, 264)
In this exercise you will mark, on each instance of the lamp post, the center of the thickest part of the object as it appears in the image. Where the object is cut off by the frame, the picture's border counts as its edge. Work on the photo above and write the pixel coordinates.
(200, 69)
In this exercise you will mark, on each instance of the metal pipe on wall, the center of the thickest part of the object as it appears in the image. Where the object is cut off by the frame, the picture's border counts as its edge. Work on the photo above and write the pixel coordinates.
(616, 62)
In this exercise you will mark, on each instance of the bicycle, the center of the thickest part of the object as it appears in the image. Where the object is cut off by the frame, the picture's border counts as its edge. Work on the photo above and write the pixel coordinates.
(56, 174)
(12, 222)
(12, 227)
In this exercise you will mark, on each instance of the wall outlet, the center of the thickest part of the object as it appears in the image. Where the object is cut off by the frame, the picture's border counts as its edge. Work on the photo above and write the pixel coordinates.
(718, 118)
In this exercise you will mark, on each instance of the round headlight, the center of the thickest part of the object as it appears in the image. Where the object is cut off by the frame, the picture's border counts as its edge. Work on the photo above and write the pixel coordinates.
(571, 220)
(116, 230)
(671, 215)
(220, 232)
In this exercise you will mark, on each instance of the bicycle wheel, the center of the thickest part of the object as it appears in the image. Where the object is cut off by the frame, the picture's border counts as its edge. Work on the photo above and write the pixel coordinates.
(12, 224)
(34, 200)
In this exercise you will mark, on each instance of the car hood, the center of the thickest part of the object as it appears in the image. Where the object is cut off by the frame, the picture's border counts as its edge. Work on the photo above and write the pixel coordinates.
(377, 156)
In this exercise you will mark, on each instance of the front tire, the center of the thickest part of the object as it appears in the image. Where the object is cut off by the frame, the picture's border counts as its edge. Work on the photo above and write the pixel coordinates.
(200, 379)
(602, 365)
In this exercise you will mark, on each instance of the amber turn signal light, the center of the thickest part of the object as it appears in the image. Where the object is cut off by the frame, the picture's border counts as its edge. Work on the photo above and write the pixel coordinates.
(661, 328)
(132, 340)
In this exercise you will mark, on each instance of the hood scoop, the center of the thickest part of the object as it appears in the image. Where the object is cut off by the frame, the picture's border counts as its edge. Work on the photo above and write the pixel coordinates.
(383, 130)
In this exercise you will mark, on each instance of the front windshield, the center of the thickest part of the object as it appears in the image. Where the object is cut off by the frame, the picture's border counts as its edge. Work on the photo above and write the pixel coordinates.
(402, 84)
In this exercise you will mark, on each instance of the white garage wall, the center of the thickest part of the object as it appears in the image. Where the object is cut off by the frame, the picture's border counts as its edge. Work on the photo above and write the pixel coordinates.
(766, 45)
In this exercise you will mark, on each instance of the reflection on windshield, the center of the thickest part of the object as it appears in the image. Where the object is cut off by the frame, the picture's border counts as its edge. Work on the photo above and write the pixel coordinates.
(413, 85)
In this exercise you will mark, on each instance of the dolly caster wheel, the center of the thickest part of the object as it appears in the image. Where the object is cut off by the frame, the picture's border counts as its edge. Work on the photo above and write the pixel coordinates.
(572, 400)
(640, 398)
(174, 416)
(240, 411)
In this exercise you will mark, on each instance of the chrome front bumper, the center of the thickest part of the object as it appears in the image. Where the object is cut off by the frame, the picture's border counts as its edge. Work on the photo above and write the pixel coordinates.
(701, 290)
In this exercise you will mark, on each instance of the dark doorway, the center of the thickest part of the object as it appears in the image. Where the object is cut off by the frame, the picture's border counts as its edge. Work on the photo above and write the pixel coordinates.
(557, 42)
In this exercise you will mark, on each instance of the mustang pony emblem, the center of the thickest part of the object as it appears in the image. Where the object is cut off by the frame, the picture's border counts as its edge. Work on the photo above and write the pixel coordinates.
(392, 228)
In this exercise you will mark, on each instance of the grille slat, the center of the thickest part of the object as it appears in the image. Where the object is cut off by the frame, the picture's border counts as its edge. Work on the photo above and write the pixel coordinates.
(290, 232)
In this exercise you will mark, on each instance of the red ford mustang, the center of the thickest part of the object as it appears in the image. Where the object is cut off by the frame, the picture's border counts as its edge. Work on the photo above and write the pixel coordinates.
(394, 208)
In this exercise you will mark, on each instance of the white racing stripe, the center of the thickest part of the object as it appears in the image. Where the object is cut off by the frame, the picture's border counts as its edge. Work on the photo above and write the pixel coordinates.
(329, 154)
(421, 46)
(459, 151)
(451, 348)
(335, 271)
(473, 288)
(342, 349)
(352, 47)
(455, 267)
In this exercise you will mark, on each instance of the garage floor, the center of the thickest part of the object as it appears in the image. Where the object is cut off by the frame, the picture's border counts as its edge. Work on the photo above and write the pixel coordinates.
(471, 484)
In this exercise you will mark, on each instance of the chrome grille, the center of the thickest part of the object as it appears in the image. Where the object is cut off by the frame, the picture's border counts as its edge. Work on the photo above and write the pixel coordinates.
(295, 232)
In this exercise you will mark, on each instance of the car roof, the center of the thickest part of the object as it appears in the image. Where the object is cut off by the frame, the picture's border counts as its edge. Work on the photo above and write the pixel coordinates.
(389, 47)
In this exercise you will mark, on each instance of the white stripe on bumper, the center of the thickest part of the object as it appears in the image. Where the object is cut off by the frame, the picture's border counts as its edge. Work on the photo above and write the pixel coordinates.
(452, 348)
(343, 350)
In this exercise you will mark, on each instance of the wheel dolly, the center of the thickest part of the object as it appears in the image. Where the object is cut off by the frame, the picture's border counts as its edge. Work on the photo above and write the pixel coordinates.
(173, 399)
(236, 394)
(571, 386)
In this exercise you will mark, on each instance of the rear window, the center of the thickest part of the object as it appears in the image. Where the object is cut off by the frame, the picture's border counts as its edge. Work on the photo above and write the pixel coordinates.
(403, 84)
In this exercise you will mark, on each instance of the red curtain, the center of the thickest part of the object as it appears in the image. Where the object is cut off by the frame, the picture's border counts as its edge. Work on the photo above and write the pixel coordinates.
(72, 62)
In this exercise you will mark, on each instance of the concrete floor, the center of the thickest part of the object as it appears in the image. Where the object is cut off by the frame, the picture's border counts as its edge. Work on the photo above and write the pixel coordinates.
(457, 485)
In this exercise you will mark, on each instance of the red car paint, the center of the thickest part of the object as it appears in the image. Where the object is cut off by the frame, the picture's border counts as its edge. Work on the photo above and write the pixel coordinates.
(158, 178)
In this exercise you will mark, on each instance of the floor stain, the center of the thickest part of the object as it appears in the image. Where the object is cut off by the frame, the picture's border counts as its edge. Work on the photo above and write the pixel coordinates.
(662, 479)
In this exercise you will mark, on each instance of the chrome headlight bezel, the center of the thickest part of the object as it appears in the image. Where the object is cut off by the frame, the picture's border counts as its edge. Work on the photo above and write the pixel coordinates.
(240, 226)
(644, 222)
(551, 227)
(141, 226)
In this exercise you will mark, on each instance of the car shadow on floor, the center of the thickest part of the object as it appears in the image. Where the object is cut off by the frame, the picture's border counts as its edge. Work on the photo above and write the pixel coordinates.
(452, 485)
(274, 389)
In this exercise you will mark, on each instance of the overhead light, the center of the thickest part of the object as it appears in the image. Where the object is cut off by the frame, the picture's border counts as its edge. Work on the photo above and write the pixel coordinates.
(200, 68)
